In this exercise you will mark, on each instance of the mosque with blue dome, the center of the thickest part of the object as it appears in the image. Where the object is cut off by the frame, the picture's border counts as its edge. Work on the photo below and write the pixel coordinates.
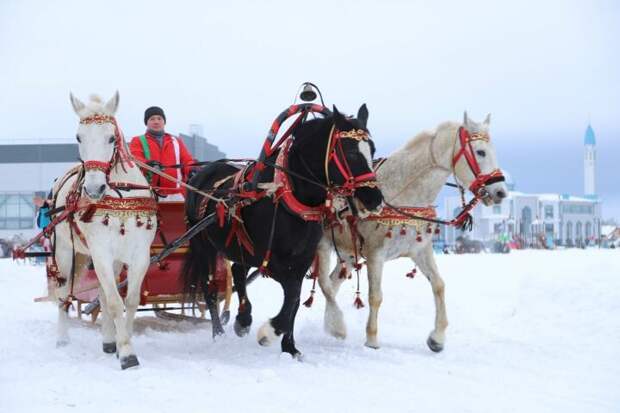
(547, 220)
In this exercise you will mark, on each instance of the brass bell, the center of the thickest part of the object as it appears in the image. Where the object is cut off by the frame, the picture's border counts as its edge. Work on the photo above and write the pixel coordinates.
(307, 94)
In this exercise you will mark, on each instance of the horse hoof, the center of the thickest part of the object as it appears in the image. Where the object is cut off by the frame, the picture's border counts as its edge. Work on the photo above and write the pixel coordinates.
(129, 362)
(63, 342)
(266, 334)
(225, 317)
(298, 356)
(109, 348)
(218, 332)
(434, 345)
(240, 330)
(372, 345)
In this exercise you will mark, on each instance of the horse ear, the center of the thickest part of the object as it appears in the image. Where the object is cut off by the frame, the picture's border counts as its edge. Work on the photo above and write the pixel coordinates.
(339, 119)
(362, 115)
(112, 104)
(77, 104)
(487, 121)
(465, 119)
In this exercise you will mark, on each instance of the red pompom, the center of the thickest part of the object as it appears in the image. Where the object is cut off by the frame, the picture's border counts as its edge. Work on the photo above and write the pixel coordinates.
(358, 303)
(310, 300)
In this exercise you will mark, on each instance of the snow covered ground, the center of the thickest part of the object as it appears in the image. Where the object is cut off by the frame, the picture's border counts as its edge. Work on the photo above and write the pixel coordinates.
(531, 331)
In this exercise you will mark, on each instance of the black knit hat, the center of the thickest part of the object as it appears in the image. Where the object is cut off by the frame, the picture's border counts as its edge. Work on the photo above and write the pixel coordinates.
(152, 111)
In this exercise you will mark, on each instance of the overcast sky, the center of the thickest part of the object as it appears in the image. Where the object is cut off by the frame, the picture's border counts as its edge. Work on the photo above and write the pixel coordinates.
(542, 68)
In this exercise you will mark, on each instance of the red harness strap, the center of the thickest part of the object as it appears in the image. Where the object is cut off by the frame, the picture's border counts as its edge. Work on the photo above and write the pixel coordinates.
(285, 189)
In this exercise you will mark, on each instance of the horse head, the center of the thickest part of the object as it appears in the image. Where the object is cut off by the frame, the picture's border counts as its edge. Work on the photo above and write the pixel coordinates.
(97, 137)
(357, 150)
(475, 162)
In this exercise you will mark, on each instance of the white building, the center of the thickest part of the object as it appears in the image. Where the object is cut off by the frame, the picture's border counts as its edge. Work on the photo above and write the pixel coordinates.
(559, 219)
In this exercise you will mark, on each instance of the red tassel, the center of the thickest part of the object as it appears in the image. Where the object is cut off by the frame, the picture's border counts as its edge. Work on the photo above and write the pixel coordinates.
(87, 216)
(310, 300)
(428, 229)
(437, 231)
(418, 238)
(149, 223)
(412, 273)
(220, 210)
(357, 266)
(403, 231)
(139, 223)
(106, 220)
(389, 233)
(343, 271)
(122, 228)
(358, 303)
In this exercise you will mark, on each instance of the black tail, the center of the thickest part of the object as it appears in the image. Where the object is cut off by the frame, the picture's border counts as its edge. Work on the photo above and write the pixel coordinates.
(199, 263)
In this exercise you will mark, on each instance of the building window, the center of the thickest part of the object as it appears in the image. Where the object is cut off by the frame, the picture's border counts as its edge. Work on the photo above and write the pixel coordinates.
(548, 211)
(569, 231)
(16, 211)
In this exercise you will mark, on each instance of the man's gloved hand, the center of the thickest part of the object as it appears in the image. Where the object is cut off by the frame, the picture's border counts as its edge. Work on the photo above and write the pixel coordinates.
(155, 164)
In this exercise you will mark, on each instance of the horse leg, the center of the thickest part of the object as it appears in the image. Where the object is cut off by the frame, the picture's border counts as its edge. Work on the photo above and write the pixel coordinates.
(426, 261)
(136, 271)
(282, 323)
(61, 294)
(225, 317)
(108, 332)
(105, 274)
(374, 266)
(243, 321)
(211, 293)
(333, 320)
(288, 339)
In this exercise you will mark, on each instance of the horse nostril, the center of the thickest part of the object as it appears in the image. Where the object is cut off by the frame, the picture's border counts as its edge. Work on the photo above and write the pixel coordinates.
(501, 194)
(102, 188)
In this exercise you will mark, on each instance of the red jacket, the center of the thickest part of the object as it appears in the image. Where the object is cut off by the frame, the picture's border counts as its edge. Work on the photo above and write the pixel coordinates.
(168, 154)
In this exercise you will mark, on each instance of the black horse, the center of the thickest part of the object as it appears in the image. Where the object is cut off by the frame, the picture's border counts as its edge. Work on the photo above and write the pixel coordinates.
(317, 164)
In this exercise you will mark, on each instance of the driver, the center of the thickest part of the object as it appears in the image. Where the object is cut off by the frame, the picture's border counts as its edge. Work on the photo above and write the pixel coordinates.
(165, 152)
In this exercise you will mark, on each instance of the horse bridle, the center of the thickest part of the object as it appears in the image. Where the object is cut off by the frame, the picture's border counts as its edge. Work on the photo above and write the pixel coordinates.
(481, 181)
(335, 153)
(119, 152)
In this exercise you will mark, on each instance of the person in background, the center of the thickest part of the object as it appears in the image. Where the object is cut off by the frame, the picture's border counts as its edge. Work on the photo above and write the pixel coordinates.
(164, 152)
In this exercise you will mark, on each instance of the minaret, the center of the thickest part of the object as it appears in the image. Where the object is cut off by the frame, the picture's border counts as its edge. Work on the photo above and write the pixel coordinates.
(589, 163)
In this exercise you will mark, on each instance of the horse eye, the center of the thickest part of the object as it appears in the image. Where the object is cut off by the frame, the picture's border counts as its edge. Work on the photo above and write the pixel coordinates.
(481, 153)
(78, 138)
(111, 140)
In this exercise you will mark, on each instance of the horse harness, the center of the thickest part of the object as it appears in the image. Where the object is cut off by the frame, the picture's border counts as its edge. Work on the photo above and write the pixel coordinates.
(282, 191)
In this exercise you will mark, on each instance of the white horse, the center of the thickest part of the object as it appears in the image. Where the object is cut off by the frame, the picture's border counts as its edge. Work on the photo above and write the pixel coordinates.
(412, 176)
(111, 230)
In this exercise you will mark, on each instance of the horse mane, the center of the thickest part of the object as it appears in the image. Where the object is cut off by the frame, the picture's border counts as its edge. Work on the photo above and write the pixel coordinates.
(417, 140)
(94, 105)
(313, 127)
